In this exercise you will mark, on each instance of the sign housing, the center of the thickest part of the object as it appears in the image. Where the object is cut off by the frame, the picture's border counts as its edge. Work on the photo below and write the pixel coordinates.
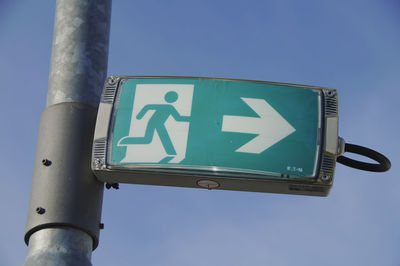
(217, 134)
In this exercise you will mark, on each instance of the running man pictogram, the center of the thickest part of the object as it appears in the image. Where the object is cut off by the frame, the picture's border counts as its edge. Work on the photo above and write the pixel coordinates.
(157, 123)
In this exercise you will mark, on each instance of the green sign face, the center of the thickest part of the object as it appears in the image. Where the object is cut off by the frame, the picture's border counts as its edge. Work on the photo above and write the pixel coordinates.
(215, 125)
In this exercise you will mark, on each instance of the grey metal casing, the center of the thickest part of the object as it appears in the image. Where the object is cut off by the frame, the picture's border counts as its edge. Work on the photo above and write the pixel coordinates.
(72, 191)
(319, 186)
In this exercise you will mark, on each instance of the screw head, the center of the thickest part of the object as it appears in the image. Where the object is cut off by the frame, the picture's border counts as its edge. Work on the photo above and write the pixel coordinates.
(111, 80)
(325, 178)
(98, 162)
(331, 93)
(40, 210)
(46, 162)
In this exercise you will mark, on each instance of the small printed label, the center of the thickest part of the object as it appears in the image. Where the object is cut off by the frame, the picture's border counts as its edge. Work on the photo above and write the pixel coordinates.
(294, 169)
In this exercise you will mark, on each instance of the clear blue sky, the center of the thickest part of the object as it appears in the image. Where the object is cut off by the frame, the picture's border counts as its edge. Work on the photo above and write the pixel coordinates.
(352, 46)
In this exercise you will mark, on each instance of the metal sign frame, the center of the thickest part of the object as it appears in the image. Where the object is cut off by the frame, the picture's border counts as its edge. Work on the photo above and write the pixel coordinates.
(318, 185)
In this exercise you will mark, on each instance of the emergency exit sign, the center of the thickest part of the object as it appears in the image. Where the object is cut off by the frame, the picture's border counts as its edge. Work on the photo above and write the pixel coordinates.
(194, 131)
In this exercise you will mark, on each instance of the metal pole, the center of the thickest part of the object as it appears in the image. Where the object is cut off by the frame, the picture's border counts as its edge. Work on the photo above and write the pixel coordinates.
(66, 199)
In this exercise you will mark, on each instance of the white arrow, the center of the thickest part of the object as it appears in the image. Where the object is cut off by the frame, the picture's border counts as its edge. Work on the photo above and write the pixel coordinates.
(271, 127)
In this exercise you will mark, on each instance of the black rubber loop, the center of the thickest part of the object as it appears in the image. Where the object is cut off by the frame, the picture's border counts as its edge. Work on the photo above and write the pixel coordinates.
(383, 162)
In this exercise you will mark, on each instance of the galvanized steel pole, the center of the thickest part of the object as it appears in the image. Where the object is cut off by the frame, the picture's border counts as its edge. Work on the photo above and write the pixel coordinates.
(66, 199)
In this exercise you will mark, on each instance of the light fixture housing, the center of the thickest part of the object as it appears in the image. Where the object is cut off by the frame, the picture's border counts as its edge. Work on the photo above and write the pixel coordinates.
(217, 133)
